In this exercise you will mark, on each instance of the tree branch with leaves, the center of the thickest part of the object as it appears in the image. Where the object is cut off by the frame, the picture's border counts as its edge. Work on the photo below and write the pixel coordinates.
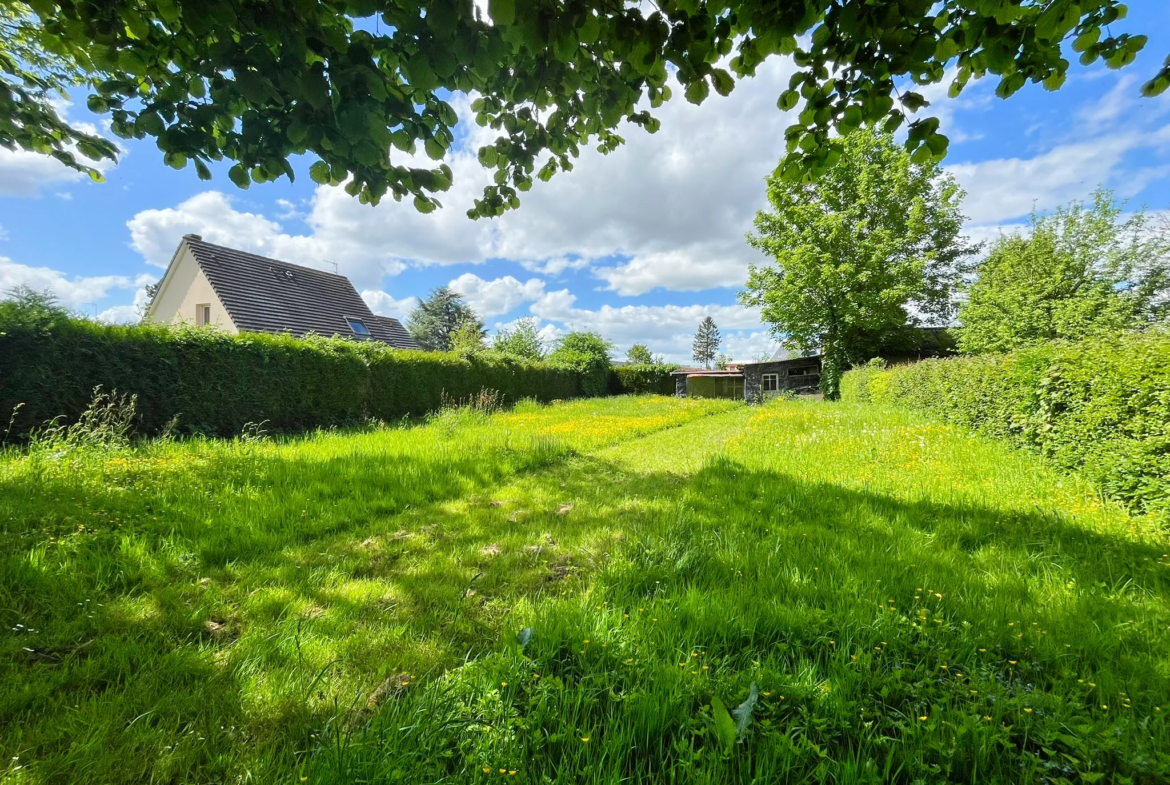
(362, 85)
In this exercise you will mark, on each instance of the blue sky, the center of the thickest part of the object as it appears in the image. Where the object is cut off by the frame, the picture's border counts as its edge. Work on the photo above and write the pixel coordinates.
(638, 245)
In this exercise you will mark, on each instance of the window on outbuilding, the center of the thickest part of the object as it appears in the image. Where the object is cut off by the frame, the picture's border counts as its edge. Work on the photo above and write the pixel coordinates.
(771, 382)
(358, 326)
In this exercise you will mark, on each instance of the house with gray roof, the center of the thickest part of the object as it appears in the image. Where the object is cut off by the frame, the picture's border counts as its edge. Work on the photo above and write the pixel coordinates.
(209, 285)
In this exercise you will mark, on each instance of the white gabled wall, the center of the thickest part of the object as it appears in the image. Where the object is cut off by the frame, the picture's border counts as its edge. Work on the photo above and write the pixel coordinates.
(182, 289)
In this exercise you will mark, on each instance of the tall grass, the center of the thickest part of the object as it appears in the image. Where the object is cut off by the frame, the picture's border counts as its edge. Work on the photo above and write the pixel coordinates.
(538, 596)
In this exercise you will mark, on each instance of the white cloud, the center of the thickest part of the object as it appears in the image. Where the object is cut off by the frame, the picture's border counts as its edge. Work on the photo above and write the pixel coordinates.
(156, 234)
(385, 305)
(1006, 188)
(127, 314)
(745, 345)
(665, 210)
(493, 298)
(666, 329)
(25, 173)
(554, 266)
(70, 292)
(701, 266)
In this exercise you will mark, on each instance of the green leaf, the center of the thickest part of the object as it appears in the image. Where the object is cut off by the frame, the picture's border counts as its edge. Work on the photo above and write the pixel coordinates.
(722, 80)
(239, 175)
(1087, 39)
(724, 725)
(298, 131)
(319, 172)
(502, 12)
(938, 144)
(423, 205)
(590, 29)
(743, 712)
(1156, 86)
(788, 100)
(851, 118)
(697, 91)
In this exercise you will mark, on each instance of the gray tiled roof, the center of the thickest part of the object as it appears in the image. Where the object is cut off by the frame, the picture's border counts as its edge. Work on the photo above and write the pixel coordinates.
(270, 296)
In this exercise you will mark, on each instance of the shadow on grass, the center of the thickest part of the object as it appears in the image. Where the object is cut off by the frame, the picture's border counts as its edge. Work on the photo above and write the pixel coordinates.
(209, 629)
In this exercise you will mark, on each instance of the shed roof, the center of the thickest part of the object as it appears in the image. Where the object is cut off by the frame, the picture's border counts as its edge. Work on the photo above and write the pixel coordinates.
(271, 296)
(705, 372)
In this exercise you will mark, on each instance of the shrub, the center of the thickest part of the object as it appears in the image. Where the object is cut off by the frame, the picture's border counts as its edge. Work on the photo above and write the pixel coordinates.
(643, 379)
(1100, 406)
(586, 354)
(216, 383)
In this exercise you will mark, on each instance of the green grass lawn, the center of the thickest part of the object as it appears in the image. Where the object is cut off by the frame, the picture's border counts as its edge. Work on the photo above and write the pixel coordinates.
(912, 604)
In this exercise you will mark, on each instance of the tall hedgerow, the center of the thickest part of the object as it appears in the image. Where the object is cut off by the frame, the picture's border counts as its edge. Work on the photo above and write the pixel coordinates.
(215, 383)
(1099, 406)
(641, 379)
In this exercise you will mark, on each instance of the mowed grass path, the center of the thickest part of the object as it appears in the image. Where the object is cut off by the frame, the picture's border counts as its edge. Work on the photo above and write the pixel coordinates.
(913, 604)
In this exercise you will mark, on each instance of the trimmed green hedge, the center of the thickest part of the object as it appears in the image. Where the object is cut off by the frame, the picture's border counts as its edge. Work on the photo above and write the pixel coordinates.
(1100, 406)
(642, 379)
(216, 383)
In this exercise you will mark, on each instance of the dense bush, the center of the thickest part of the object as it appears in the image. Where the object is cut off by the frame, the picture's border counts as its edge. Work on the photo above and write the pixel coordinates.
(642, 379)
(587, 355)
(216, 383)
(1101, 406)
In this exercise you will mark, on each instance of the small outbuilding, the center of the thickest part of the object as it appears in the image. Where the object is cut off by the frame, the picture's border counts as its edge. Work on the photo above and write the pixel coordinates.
(753, 382)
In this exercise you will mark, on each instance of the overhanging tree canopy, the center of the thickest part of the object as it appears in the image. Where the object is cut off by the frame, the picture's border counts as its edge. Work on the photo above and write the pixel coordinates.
(258, 81)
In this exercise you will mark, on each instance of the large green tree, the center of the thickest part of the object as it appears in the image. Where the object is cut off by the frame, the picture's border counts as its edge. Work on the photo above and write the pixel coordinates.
(859, 255)
(357, 82)
(1080, 271)
(588, 354)
(639, 354)
(434, 322)
(522, 340)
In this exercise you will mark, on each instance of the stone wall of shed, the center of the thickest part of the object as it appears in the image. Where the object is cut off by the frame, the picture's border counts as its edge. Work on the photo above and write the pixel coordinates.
(753, 379)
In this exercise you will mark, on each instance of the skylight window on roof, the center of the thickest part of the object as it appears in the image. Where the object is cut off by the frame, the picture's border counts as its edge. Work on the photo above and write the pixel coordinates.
(358, 327)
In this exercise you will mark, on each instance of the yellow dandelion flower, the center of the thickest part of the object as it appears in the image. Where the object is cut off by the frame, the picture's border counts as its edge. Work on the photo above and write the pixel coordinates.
(585, 739)
(503, 684)
(1028, 711)
(987, 718)
(511, 772)
(503, 771)
(487, 770)
(922, 719)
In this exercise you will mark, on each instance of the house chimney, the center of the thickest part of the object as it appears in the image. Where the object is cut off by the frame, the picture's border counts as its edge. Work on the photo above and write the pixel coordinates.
(192, 237)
